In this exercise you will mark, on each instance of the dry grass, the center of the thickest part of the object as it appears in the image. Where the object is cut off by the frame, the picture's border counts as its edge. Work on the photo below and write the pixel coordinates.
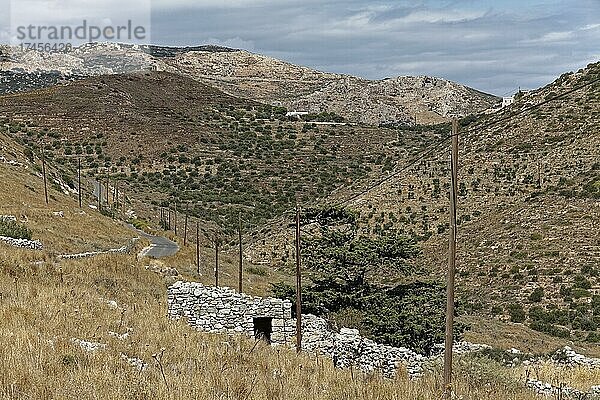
(45, 305)
(22, 194)
(256, 278)
(505, 335)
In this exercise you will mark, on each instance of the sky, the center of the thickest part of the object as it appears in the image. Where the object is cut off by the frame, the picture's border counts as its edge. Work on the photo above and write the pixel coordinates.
(494, 46)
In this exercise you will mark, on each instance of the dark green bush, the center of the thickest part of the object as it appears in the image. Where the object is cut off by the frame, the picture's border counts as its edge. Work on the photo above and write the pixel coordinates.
(14, 230)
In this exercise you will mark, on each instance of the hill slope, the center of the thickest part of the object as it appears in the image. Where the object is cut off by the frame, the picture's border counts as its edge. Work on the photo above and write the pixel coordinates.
(173, 140)
(529, 185)
(256, 77)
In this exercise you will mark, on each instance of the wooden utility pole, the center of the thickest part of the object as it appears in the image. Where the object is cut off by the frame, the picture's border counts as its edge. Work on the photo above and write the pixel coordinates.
(116, 195)
(298, 285)
(169, 217)
(108, 191)
(217, 262)
(79, 180)
(175, 218)
(451, 266)
(44, 173)
(185, 226)
(99, 196)
(198, 248)
(241, 265)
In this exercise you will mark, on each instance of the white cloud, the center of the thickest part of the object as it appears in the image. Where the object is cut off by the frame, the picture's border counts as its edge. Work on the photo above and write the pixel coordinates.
(589, 27)
(552, 37)
(443, 16)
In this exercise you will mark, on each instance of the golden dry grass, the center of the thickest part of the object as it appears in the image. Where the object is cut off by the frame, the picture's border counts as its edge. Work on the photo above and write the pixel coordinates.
(256, 278)
(22, 195)
(45, 305)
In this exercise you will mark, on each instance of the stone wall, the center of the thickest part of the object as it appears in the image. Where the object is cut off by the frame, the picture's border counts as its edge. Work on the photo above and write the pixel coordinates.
(22, 243)
(121, 250)
(221, 309)
(347, 348)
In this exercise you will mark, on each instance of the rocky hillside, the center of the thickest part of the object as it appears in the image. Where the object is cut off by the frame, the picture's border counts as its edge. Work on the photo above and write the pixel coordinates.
(269, 80)
(529, 211)
(265, 79)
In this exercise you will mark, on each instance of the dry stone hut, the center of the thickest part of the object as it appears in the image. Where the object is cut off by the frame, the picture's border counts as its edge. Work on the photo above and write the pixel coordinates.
(220, 309)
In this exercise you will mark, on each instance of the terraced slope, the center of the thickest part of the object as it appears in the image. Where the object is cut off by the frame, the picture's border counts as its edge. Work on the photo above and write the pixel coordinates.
(172, 140)
(528, 210)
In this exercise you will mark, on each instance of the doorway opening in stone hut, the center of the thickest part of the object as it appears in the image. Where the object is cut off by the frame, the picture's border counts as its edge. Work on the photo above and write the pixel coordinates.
(263, 327)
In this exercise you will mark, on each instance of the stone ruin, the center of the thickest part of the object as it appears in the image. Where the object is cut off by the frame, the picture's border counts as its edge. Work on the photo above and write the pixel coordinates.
(222, 310)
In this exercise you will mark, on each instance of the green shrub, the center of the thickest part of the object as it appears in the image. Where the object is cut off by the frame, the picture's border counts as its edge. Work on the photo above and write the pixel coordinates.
(14, 230)
(537, 295)
(260, 271)
(516, 312)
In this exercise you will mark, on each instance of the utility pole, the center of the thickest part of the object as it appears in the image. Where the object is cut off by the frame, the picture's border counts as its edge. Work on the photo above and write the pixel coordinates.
(99, 195)
(169, 217)
(116, 195)
(197, 248)
(79, 179)
(175, 218)
(185, 225)
(451, 266)
(298, 285)
(217, 261)
(107, 190)
(241, 266)
(44, 173)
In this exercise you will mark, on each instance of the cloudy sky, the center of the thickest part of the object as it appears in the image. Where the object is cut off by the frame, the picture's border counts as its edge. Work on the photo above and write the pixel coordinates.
(492, 45)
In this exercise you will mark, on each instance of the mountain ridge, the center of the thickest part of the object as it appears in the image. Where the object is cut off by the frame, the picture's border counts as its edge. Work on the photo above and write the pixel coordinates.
(241, 73)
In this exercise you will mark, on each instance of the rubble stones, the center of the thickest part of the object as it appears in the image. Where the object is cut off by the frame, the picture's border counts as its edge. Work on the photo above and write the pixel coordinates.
(561, 392)
(121, 250)
(568, 357)
(349, 349)
(88, 346)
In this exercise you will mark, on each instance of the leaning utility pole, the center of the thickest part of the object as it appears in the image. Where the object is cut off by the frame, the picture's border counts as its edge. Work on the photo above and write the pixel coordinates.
(79, 180)
(44, 173)
(298, 285)
(241, 266)
(451, 266)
